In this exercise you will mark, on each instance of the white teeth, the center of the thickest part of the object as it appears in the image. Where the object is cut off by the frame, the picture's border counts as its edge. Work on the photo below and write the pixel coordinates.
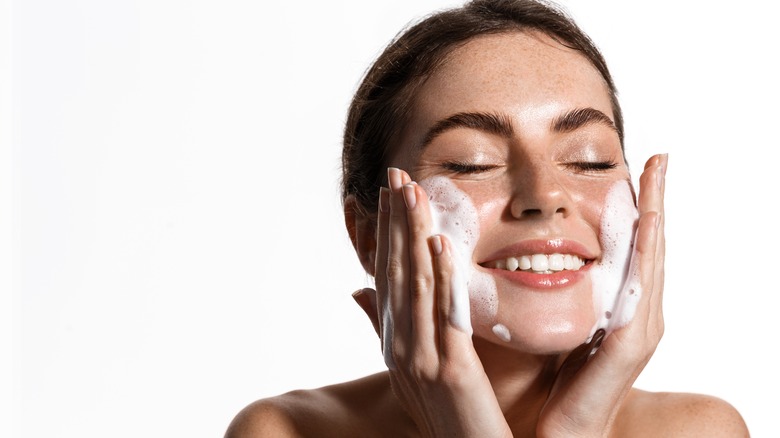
(568, 262)
(556, 262)
(525, 263)
(539, 263)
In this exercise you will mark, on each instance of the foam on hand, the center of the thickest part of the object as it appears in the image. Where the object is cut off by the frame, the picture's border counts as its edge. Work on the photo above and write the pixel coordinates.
(387, 337)
(615, 278)
(454, 215)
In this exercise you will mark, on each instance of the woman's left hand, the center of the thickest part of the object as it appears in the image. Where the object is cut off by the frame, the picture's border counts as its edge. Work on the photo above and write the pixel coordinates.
(589, 390)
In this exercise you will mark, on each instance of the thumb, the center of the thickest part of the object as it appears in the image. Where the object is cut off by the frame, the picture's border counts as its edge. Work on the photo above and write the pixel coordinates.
(366, 299)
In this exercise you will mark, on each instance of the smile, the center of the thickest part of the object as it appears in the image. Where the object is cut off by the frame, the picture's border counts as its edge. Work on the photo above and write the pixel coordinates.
(538, 263)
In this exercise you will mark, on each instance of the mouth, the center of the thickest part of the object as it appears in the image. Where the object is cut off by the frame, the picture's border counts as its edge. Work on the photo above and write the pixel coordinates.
(538, 263)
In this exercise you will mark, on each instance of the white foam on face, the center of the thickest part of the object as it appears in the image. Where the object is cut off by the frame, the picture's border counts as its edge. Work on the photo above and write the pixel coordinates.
(502, 332)
(615, 278)
(454, 215)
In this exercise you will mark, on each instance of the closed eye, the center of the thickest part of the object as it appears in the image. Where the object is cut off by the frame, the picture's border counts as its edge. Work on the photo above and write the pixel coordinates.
(591, 166)
(467, 168)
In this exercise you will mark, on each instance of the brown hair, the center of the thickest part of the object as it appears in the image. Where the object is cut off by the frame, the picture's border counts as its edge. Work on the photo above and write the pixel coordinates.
(381, 105)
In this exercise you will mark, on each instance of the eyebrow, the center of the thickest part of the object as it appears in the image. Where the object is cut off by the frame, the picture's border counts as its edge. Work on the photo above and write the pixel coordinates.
(577, 118)
(500, 124)
(490, 123)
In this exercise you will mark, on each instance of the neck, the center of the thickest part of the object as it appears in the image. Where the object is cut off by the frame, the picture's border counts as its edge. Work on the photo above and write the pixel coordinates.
(521, 382)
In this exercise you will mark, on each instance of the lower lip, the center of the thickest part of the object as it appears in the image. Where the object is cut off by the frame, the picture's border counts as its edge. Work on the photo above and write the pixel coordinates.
(556, 280)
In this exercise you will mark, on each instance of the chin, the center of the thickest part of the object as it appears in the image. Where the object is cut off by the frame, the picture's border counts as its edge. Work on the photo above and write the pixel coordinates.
(538, 335)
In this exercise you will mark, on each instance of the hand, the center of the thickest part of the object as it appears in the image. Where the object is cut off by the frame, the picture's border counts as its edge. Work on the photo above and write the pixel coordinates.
(434, 370)
(589, 390)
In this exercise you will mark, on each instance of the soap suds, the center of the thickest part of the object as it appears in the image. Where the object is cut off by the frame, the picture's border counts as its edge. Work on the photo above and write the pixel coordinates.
(502, 332)
(454, 215)
(387, 335)
(615, 279)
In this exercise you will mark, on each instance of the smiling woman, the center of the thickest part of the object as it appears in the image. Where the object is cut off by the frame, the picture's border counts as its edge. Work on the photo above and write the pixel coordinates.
(519, 276)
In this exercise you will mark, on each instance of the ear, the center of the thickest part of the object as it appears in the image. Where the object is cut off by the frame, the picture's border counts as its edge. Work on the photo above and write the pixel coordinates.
(362, 233)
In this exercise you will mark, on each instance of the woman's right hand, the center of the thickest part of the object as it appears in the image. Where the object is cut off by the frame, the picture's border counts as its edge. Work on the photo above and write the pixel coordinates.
(434, 370)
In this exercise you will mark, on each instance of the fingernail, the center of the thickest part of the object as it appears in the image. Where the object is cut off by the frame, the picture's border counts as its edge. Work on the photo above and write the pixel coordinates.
(660, 173)
(410, 197)
(357, 293)
(436, 244)
(384, 199)
(394, 178)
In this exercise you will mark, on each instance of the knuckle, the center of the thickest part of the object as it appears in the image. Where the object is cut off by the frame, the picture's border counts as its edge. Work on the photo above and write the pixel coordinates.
(421, 284)
(451, 374)
(416, 228)
(421, 370)
(395, 270)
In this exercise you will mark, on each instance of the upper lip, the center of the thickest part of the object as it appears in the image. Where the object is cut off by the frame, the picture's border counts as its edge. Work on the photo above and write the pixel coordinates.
(541, 246)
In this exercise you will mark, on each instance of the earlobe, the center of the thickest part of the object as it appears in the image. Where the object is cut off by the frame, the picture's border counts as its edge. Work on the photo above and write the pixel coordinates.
(362, 233)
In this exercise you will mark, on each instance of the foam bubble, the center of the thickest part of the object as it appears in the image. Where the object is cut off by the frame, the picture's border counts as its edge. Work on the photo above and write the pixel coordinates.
(502, 332)
(615, 279)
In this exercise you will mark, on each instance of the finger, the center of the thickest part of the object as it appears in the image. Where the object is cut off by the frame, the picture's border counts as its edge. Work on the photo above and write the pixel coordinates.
(423, 318)
(452, 301)
(398, 263)
(652, 184)
(366, 299)
(380, 276)
(660, 251)
(643, 263)
(644, 335)
(576, 359)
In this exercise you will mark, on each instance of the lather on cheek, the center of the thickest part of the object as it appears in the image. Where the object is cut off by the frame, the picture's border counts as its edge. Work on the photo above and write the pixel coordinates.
(615, 280)
(453, 215)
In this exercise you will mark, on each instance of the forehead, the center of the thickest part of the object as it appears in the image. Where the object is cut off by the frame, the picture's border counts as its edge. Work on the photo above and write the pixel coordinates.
(525, 75)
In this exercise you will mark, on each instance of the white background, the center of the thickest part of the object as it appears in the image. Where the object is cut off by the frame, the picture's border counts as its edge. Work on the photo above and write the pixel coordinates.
(172, 241)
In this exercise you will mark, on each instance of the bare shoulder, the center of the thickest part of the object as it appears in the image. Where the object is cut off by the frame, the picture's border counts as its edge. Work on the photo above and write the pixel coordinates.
(347, 409)
(680, 415)
(266, 417)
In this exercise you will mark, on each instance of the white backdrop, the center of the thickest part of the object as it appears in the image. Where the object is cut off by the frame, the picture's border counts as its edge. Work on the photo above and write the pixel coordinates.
(172, 239)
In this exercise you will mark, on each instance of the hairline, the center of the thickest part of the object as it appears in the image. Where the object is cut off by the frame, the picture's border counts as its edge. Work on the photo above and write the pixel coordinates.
(408, 95)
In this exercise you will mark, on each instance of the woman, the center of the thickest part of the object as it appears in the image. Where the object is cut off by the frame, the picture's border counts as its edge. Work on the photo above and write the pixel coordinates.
(518, 278)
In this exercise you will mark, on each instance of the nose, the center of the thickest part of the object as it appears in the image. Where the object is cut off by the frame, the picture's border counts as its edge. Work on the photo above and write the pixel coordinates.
(538, 193)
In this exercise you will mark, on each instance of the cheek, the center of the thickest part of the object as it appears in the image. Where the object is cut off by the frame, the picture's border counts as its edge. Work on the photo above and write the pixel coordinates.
(591, 202)
(490, 201)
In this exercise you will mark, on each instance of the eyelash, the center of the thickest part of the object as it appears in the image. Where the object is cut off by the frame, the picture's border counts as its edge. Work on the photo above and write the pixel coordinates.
(584, 166)
(466, 168)
(592, 166)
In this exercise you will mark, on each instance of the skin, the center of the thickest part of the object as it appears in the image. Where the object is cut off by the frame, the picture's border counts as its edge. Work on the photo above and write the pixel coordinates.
(528, 184)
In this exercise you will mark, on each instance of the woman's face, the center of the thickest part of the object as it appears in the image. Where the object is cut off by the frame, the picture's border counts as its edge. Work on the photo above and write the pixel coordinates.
(521, 128)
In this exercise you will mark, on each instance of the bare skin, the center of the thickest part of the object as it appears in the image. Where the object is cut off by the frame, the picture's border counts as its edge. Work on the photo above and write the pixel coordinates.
(529, 182)
(367, 408)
